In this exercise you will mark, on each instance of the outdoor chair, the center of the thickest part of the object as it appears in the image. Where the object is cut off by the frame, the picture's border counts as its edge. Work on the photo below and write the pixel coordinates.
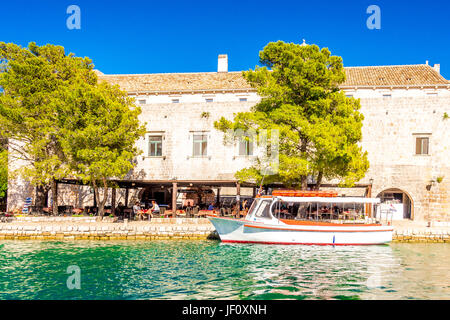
(90, 210)
(195, 212)
(108, 210)
(202, 213)
(78, 211)
(36, 209)
(65, 210)
(169, 213)
(128, 213)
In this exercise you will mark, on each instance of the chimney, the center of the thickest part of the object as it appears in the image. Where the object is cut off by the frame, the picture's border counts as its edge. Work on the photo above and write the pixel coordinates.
(222, 63)
(426, 62)
(437, 68)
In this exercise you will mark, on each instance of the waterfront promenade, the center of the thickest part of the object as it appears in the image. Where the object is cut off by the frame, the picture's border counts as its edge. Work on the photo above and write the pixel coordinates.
(93, 228)
(90, 228)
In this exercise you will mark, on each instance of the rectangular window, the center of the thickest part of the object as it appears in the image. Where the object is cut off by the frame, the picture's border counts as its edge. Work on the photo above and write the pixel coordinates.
(209, 100)
(245, 147)
(422, 145)
(387, 96)
(155, 146)
(142, 101)
(175, 100)
(242, 99)
(200, 145)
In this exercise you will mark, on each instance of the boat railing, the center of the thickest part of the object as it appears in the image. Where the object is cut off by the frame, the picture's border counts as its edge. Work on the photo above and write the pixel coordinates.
(388, 216)
(336, 210)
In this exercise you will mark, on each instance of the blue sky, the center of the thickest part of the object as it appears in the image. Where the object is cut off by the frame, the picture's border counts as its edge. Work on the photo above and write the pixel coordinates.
(186, 36)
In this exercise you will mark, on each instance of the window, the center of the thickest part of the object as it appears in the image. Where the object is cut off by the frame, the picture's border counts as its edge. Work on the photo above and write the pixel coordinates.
(245, 147)
(200, 143)
(155, 146)
(349, 95)
(387, 96)
(142, 101)
(175, 100)
(422, 145)
(242, 99)
(209, 100)
(263, 210)
(432, 94)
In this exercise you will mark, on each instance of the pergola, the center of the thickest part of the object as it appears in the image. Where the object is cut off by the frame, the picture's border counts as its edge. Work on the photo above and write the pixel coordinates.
(174, 184)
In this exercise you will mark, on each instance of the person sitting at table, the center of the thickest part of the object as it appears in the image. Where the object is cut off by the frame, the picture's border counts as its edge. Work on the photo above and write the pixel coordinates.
(137, 210)
(211, 207)
(153, 209)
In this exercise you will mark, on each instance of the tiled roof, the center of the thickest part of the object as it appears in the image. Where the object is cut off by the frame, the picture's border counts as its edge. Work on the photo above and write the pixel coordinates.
(412, 75)
(179, 81)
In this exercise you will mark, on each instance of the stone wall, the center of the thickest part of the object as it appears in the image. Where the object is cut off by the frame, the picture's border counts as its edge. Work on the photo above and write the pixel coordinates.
(421, 235)
(177, 123)
(60, 228)
(389, 133)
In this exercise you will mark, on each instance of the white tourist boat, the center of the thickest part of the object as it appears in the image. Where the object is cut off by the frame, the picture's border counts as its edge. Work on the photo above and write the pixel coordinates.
(317, 220)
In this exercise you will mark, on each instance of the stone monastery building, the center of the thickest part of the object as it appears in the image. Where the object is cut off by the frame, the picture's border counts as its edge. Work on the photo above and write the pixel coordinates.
(405, 132)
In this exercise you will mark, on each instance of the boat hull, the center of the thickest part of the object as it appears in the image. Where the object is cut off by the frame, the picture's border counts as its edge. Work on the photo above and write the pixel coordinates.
(242, 231)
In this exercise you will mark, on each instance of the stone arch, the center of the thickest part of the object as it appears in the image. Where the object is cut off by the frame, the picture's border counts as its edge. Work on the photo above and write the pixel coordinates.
(387, 194)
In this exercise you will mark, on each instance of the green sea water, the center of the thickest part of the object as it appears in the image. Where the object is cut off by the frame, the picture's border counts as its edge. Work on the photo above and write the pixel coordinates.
(213, 270)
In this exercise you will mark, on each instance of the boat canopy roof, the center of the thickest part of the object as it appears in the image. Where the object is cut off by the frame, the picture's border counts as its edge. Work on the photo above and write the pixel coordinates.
(329, 199)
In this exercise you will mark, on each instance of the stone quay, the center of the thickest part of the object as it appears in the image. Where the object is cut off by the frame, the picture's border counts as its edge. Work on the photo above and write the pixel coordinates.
(94, 228)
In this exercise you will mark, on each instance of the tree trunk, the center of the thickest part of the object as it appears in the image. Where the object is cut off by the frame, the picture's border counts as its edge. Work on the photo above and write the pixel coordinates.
(303, 149)
(304, 183)
(40, 196)
(55, 197)
(319, 180)
(101, 202)
(105, 196)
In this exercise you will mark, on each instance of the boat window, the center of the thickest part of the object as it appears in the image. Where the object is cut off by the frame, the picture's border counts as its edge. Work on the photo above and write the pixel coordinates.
(263, 210)
(253, 206)
(284, 210)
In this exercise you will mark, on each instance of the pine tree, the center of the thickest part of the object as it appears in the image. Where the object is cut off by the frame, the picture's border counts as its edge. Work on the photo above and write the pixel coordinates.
(319, 127)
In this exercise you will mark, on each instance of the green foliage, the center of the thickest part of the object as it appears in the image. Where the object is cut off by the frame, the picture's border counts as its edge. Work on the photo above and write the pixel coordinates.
(34, 81)
(60, 120)
(445, 117)
(439, 179)
(205, 115)
(319, 127)
(3, 173)
(99, 134)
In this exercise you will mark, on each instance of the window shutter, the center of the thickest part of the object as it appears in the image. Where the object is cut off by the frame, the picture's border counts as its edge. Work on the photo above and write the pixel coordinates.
(425, 145)
(418, 146)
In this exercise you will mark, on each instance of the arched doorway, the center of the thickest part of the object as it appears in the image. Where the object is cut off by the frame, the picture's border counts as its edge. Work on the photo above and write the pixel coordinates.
(400, 201)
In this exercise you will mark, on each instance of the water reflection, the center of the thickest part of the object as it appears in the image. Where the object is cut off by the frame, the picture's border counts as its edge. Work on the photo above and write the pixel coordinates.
(318, 272)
